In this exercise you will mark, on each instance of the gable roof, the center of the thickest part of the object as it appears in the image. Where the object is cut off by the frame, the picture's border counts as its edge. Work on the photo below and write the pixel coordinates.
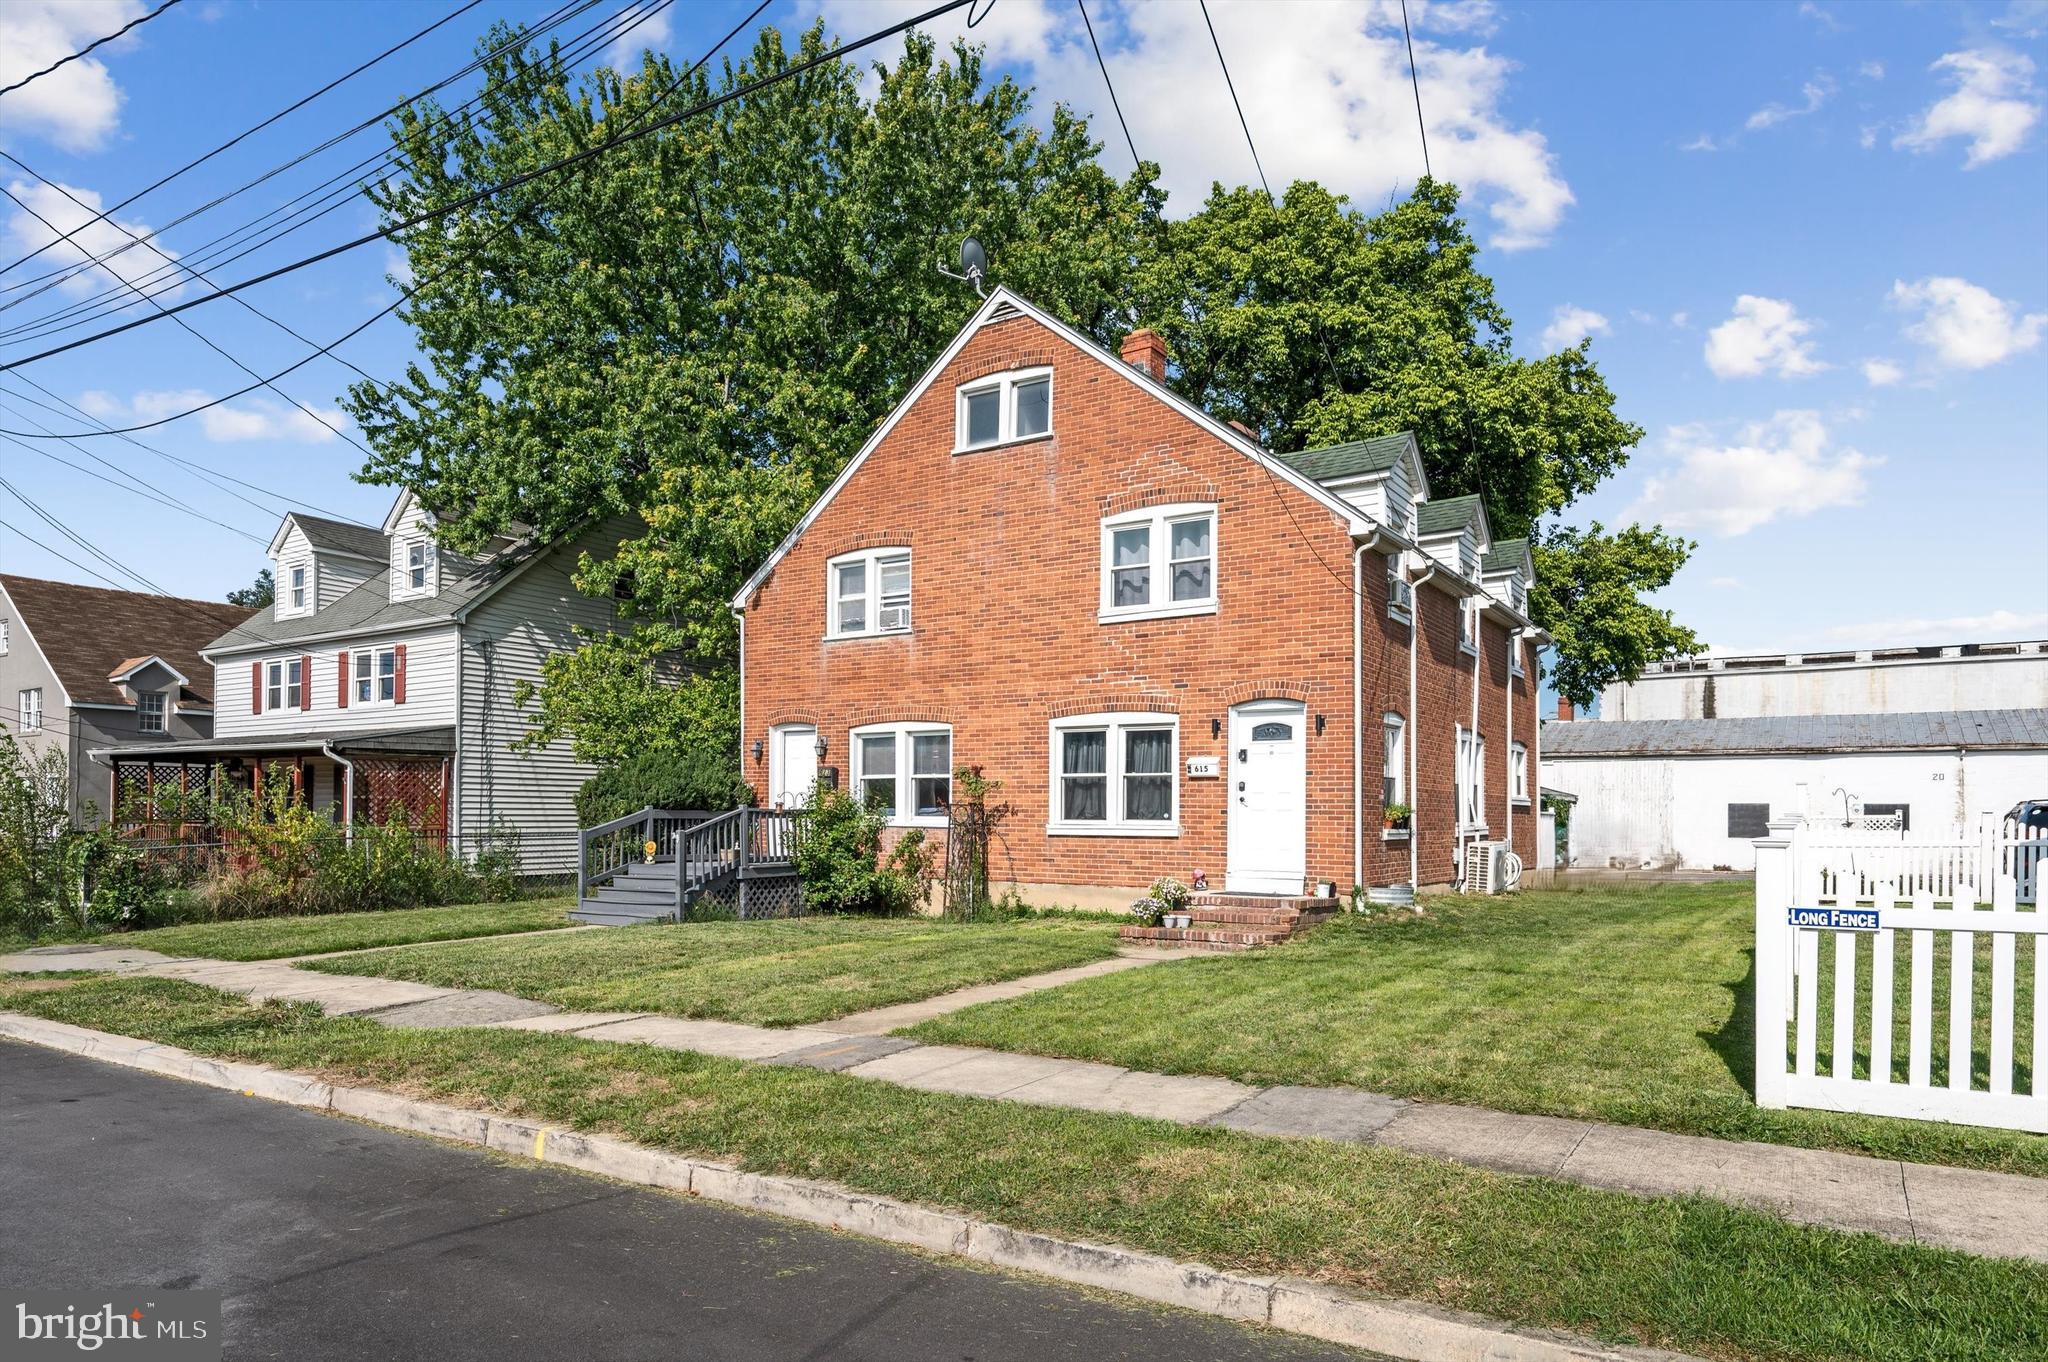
(86, 633)
(332, 536)
(1971, 728)
(1506, 555)
(1446, 516)
(1352, 459)
(368, 607)
(1002, 305)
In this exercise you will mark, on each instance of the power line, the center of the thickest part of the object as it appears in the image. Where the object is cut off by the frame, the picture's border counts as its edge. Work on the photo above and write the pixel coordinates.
(346, 178)
(247, 133)
(80, 540)
(88, 49)
(1232, 87)
(1082, 5)
(1416, 81)
(514, 182)
(4, 525)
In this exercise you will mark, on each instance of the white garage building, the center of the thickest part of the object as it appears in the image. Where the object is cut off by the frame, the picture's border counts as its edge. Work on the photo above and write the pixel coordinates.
(1689, 763)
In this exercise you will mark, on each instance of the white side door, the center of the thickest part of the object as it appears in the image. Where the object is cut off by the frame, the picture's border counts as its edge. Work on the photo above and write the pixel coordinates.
(1268, 798)
(792, 765)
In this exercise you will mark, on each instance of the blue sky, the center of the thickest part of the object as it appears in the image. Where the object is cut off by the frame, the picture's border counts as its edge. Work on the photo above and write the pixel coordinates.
(1806, 239)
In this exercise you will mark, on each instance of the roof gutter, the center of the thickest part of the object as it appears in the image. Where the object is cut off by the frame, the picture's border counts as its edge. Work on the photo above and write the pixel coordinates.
(213, 651)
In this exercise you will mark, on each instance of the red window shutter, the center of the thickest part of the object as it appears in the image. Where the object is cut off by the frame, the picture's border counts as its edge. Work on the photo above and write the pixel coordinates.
(306, 681)
(341, 679)
(398, 682)
(255, 687)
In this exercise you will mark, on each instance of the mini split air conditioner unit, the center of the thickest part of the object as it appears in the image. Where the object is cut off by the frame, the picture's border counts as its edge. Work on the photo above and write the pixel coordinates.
(1490, 868)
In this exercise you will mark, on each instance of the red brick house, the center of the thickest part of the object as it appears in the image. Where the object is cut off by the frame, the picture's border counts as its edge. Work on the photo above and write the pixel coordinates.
(1180, 653)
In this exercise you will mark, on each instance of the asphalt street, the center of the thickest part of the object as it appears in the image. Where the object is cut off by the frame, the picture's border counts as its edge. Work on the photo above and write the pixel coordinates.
(336, 1240)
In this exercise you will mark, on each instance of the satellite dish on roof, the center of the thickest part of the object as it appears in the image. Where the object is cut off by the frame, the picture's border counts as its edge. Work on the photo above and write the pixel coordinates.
(973, 265)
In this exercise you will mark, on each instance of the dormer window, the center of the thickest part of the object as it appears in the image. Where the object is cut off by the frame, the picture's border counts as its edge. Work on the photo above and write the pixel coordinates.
(416, 567)
(152, 712)
(298, 580)
(1004, 407)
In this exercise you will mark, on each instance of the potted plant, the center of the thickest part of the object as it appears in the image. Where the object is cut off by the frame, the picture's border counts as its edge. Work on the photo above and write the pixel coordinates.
(1397, 816)
(1172, 896)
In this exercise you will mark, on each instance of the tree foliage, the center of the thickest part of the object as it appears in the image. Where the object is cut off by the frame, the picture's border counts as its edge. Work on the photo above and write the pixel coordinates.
(256, 595)
(1590, 586)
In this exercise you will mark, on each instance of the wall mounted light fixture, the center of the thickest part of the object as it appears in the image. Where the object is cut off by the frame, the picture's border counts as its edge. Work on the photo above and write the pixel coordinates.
(757, 749)
(1215, 728)
(820, 745)
(1319, 725)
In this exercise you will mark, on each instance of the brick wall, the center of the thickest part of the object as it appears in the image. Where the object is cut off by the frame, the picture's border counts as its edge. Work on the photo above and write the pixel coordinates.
(1005, 589)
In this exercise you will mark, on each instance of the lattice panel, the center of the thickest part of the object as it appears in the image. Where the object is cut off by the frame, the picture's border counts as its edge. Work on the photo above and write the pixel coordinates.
(768, 896)
(161, 800)
(386, 786)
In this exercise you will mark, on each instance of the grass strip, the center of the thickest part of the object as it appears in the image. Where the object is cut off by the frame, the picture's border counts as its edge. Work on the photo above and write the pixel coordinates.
(270, 938)
(762, 973)
(1631, 1005)
(1686, 1273)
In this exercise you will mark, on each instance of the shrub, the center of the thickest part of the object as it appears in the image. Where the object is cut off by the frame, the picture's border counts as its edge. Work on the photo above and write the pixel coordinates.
(663, 780)
(839, 859)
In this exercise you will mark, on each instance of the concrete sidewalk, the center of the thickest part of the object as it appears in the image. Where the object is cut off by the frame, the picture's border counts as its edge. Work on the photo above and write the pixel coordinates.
(1992, 1214)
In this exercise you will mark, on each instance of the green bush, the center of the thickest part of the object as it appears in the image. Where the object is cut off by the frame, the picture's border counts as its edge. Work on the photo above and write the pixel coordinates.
(663, 780)
(839, 859)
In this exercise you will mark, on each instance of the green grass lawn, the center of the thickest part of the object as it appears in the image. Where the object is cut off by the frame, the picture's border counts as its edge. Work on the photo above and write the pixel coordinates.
(784, 973)
(1632, 1005)
(268, 938)
(1686, 1274)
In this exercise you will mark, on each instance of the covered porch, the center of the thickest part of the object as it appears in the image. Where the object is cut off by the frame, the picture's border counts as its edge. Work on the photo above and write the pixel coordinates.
(161, 792)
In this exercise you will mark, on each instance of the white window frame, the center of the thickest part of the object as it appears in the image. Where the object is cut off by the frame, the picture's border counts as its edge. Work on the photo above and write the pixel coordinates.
(1471, 780)
(28, 709)
(906, 747)
(1005, 385)
(1468, 625)
(1515, 668)
(418, 564)
(1394, 750)
(152, 712)
(1518, 773)
(872, 560)
(1400, 591)
(1115, 822)
(402, 567)
(365, 684)
(3, 638)
(300, 579)
(277, 680)
(1159, 521)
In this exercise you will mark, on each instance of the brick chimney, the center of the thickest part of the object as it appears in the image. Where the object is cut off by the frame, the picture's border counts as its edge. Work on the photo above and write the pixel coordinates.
(1564, 710)
(1146, 349)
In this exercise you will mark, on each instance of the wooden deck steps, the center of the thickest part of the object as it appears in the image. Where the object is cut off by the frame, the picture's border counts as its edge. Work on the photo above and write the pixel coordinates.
(1237, 922)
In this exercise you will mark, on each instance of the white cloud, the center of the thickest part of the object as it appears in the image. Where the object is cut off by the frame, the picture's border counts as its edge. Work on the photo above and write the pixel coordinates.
(1704, 142)
(1966, 327)
(1814, 94)
(1681, 320)
(252, 418)
(1725, 583)
(1992, 105)
(1992, 627)
(1809, 10)
(1871, 70)
(1881, 373)
(1325, 89)
(103, 239)
(1569, 325)
(2028, 18)
(1786, 466)
(1766, 335)
(1866, 137)
(650, 30)
(78, 105)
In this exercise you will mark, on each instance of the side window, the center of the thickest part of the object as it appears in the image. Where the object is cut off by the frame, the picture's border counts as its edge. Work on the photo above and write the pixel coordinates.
(905, 771)
(1115, 773)
(1159, 561)
(1003, 407)
(868, 593)
(1749, 820)
(1394, 779)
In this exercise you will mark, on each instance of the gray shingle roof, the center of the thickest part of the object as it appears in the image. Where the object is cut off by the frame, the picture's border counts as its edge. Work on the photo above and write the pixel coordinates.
(369, 607)
(1505, 556)
(1352, 459)
(1445, 515)
(343, 537)
(1972, 728)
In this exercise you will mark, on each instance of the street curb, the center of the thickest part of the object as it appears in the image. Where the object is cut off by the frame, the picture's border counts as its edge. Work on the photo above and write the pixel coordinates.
(1395, 1328)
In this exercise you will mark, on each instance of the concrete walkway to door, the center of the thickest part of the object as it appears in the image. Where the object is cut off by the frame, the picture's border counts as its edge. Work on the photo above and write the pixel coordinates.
(1992, 1214)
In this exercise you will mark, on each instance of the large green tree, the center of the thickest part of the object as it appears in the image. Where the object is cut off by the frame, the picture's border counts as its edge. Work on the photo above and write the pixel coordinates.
(1314, 323)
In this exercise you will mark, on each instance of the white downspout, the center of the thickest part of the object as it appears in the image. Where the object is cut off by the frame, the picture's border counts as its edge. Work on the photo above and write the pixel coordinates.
(348, 792)
(1514, 652)
(1358, 706)
(1414, 735)
(741, 616)
(1478, 773)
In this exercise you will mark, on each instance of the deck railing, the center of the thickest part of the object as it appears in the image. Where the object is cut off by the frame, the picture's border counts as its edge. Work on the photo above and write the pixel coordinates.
(608, 848)
(735, 845)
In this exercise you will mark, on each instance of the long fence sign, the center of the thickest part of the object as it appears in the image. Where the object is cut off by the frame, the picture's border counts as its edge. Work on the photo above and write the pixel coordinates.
(1885, 989)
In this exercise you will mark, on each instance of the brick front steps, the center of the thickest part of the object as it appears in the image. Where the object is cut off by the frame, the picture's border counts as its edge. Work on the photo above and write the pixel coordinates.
(1237, 922)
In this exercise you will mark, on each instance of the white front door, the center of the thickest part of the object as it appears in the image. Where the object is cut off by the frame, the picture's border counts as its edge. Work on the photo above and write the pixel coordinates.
(792, 765)
(1268, 798)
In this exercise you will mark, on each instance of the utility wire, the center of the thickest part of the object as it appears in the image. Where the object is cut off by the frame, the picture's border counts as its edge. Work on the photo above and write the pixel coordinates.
(1082, 5)
(187, 327)
(54, 523)
(1232, 87)
(247, 133)
(514, 182)
(1416, 81)
(4, 525)
(87, 50)
(346, 178)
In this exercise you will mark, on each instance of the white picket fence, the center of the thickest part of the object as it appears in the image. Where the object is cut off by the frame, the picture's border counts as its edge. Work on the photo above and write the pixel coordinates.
(1922, 901)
